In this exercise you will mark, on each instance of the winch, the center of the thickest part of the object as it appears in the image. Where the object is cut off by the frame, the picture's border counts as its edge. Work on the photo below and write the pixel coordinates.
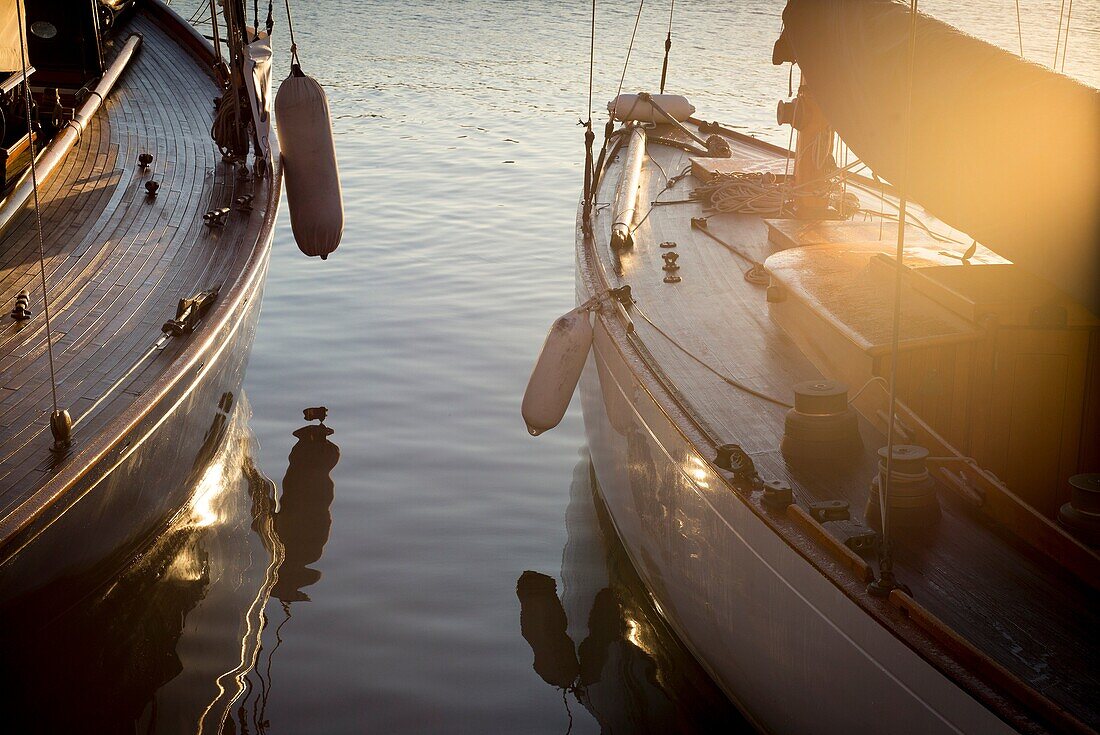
(821, 425)
(911, 492)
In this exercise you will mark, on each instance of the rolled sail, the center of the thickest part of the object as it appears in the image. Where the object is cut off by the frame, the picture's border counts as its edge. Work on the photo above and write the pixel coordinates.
(1000, 148)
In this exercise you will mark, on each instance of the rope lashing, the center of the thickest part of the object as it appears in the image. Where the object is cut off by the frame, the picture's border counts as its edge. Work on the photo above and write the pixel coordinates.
(60, 422)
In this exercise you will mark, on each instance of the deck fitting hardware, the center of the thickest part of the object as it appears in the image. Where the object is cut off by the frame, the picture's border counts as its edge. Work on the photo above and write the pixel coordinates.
(61, 426)
(830, 510)
(151, 188)
(244, 202)
(667, 244)
(777, 494)
(672, 278)
(861, 540)
(21, 312)
(144, 160)
(189, 312)
(622, 295)
(670, 262)
(886, 581)
(699, 223)
(216, 217)
(1081, 515)
(243, 174)
(733, 459)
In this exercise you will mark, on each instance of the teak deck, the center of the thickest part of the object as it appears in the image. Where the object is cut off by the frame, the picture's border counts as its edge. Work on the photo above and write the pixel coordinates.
(1010, 602)
(116, 261)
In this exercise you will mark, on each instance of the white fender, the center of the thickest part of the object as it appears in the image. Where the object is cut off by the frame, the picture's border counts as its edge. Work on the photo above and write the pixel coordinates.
(310, 173)
(557, 371)
(629, 107)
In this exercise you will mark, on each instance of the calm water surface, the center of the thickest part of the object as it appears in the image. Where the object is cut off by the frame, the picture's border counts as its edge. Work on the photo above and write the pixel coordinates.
(429, 567)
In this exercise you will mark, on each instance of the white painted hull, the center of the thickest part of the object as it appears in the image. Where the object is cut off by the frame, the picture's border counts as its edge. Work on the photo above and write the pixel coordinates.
(787, 645)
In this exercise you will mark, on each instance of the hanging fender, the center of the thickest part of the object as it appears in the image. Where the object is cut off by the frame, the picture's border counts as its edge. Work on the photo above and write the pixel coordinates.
(557, 370)
(310, 173)
(633, 108)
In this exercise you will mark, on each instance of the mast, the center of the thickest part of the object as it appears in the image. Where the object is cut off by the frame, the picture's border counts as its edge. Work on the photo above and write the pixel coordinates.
(1002, 149)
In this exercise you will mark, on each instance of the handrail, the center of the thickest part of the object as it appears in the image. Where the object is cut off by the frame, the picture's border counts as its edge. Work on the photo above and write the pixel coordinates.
(53, 154)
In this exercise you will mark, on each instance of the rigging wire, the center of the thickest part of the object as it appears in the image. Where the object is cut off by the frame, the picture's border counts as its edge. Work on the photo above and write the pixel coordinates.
(589, 135)
(668, 46)
(1019, 29)
(626, 63)
(886, 579)
(1058, 37)
(37, 207)
(1065, 40)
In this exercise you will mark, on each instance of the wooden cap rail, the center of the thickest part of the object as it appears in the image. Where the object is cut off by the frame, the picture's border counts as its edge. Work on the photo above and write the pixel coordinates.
(833, 545)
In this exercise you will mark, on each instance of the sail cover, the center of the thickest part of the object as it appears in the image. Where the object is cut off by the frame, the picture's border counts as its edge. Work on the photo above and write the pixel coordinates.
(1000, 148)
(10, 43)
(258, 82)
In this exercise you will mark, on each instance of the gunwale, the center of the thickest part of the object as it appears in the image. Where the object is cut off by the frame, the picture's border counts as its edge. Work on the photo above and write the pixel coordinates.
(660, 379)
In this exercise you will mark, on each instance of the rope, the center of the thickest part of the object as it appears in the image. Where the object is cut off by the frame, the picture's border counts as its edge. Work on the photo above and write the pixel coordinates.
(759, 193)
(293, 44)
(668, 46)
(230, 137)
(724, 378)
(37, 207)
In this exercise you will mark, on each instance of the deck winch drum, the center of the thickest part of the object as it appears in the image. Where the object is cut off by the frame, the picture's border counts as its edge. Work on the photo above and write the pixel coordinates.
(821, 425)
(310, 172)
(557, 370)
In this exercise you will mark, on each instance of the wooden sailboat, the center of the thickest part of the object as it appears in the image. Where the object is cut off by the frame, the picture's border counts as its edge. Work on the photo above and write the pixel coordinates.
(738, 393)
(151, 262)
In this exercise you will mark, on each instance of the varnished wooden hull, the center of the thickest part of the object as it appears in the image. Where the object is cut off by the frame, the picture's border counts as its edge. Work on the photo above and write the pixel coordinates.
(132, 493)
(787, 645)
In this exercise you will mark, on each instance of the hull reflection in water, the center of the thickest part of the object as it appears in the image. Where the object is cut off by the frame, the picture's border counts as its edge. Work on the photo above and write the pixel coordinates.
(176, 642)
(604, 644)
